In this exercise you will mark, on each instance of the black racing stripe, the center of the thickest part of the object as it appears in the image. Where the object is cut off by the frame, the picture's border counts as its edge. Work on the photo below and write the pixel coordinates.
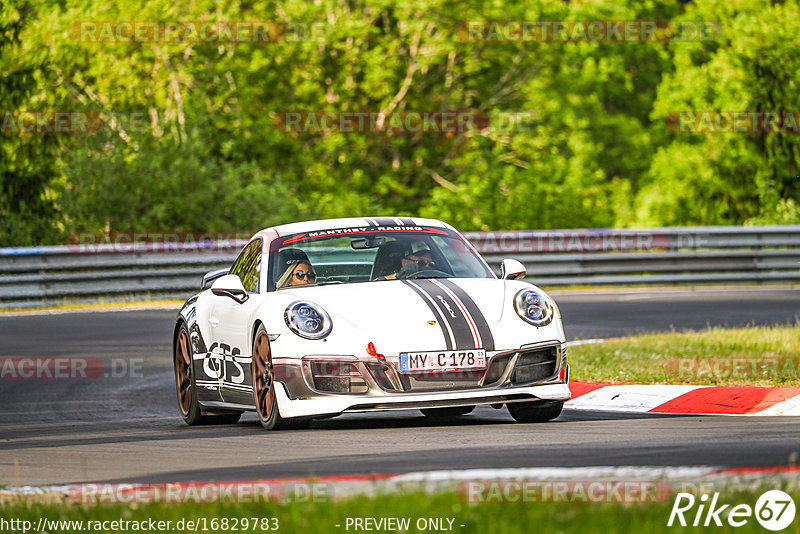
(385, 221)
(439, 319)
(474, 311)
(407, 221)
(459, 324)
(371, 221)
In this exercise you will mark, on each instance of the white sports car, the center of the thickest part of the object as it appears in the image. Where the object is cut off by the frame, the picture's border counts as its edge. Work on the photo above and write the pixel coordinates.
(320, 318)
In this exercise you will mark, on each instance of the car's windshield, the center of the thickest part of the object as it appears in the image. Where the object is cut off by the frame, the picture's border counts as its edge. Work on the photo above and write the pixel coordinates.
(349, 255)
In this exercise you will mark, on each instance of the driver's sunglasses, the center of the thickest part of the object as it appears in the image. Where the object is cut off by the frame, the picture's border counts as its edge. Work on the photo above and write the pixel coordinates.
(420, 261)
(302, 275)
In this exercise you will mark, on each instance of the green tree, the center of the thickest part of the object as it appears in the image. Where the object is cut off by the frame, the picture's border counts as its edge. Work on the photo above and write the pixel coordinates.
(28, 213)
(578, 137)
(751, 64)
(589, 140)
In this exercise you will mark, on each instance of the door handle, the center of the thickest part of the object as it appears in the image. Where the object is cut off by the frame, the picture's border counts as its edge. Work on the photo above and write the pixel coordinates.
(213, 321)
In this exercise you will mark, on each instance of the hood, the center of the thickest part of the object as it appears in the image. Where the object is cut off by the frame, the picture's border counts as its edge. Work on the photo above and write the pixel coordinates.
(415, 314)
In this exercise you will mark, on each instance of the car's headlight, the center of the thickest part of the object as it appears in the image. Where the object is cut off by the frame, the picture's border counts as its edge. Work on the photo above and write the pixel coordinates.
(534, 307)
(308, 320)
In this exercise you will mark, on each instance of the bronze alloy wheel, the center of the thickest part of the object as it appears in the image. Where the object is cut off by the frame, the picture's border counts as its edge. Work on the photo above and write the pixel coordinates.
(263, 377)
(264, 387)
(183, 373)
(187, 390)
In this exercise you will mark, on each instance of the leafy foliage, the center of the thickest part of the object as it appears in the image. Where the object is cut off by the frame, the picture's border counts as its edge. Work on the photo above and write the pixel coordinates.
(578, 137)
(750, 64)
(27, 163)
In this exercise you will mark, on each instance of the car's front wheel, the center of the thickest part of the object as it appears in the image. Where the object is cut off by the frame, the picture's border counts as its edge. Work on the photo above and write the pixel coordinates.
(264, 386)
(187, 390)
(535, 412)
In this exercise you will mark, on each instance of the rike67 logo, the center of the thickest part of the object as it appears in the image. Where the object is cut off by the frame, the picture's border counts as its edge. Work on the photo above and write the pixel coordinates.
(774, 510)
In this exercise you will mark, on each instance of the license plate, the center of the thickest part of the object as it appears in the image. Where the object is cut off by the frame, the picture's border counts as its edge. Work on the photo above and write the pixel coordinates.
(442, 361)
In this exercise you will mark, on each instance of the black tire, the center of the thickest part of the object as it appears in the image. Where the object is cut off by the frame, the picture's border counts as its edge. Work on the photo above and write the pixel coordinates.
(188, 405)
(451, 411)
(264, 387)
(535, 412)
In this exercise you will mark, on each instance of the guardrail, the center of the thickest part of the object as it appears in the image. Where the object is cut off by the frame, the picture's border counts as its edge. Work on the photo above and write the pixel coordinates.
(686, 255)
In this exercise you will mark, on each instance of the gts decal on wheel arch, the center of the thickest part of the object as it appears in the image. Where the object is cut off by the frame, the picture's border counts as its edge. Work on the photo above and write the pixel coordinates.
(225, 363)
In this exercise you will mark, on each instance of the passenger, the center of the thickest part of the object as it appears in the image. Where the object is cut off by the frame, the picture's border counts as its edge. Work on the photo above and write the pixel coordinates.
(297, 269)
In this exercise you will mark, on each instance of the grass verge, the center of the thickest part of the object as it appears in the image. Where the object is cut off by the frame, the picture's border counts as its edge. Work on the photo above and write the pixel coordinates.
(754, 356)
(324, 517)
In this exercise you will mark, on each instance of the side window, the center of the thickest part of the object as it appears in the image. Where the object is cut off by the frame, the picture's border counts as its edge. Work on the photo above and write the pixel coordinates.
(236, 268)
(252, 273)
(248, 266)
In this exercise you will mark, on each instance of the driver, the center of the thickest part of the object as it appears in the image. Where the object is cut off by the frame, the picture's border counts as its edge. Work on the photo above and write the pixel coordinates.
(297, 269)
(417, 258)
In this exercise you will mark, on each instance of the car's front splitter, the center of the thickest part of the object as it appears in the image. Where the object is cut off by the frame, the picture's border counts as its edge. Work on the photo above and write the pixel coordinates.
(338, 404)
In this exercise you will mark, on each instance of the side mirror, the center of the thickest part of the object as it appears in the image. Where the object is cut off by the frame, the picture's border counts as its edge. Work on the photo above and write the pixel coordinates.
(231, 286)
(210, 276)
(512, 270)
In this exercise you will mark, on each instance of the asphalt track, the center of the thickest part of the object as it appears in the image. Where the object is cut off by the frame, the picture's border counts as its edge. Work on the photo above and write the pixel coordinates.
(127, 428)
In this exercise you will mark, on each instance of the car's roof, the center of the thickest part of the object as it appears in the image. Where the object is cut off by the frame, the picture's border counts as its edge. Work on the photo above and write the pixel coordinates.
(354, 222)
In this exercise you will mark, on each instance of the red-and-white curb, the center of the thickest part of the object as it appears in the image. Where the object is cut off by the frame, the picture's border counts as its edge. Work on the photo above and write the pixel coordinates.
(678, 399)
(682, 399)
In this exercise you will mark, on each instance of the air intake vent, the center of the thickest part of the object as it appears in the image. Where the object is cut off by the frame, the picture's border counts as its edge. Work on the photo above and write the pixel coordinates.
(337, 377)
(380, 373)
(496, 368)
(535, 365)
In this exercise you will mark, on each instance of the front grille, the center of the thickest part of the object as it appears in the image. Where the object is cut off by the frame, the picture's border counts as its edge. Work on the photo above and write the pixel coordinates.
(337, 377)
(535, 365)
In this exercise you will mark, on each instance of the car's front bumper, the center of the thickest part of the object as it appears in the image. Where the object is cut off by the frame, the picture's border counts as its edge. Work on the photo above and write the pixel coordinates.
(338, 404)
(533, 372)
